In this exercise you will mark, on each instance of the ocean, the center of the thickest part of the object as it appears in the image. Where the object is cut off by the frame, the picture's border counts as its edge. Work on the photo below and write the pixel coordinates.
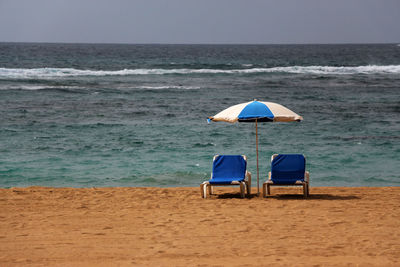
(100, 115)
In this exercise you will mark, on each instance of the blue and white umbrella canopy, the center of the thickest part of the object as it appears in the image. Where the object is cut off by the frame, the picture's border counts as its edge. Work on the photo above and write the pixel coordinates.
(256, 111)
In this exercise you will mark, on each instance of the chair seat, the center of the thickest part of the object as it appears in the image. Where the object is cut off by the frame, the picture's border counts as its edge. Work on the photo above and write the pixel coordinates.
(297, 182)
(227, 181)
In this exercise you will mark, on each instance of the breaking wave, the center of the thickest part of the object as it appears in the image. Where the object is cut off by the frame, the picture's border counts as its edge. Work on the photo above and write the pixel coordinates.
(170, 87)
(35, 87)
(49, 73)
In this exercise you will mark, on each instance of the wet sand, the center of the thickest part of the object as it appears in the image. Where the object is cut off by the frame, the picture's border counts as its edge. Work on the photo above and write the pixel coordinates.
(335, 226)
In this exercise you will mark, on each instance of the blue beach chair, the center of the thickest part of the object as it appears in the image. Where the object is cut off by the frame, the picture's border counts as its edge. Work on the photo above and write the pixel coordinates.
(228, 170)
(288, 169)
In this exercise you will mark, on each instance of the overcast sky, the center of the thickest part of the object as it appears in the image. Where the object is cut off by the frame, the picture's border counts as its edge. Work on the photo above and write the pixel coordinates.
(200, 21)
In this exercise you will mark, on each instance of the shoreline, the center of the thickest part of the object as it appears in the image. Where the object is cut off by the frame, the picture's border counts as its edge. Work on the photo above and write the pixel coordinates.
(253, 187)
(175, 226)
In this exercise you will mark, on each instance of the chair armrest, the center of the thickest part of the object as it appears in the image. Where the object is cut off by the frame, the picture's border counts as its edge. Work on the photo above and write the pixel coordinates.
(307, 176)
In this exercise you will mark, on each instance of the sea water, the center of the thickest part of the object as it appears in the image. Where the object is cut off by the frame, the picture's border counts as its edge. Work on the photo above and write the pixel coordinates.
(85, 115)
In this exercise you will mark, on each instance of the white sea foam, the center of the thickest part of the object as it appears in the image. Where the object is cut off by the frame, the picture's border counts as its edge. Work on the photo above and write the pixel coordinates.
(370, 69)
(44, 87)
(35, 87)
(169, 87)
(50, 73)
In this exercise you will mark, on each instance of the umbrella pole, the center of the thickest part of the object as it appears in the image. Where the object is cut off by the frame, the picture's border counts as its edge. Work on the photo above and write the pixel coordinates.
(258, 177)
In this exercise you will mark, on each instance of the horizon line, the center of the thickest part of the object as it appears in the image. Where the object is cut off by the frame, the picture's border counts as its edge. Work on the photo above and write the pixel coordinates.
(161, 43)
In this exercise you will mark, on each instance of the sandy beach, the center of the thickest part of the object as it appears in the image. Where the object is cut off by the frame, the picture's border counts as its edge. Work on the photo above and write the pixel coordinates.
(335, 226)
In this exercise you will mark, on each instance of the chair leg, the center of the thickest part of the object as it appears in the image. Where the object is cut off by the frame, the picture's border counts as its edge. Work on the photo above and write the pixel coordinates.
(203, 190)
(268, 189)
(264, 190)
(242, 189)
(248, 186)
(308, 189)
(305, 189)
(210, 189)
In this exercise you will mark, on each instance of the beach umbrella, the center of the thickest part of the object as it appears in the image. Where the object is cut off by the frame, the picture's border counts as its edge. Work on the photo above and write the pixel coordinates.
(256, 111)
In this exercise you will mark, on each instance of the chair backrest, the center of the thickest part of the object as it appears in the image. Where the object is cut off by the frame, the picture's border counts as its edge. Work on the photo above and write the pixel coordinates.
(288, 168)
(229, 166)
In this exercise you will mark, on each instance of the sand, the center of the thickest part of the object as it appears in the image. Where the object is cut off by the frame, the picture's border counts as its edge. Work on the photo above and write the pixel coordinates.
(175, 227)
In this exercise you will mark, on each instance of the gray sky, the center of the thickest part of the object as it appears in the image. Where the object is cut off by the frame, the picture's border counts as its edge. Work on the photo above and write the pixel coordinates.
(200, 21)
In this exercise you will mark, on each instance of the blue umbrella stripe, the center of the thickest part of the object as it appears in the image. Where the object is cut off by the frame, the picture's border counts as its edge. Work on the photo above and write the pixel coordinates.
(256, 110)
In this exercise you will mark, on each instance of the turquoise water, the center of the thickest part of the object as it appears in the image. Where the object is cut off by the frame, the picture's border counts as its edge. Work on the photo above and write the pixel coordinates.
(136, 115)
